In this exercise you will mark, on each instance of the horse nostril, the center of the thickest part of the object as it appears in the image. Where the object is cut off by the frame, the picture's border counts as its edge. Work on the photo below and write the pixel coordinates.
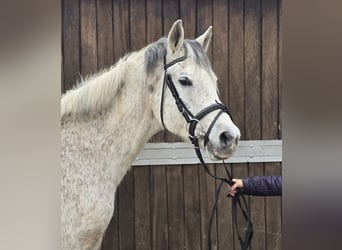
(236, 141)
(226, 139)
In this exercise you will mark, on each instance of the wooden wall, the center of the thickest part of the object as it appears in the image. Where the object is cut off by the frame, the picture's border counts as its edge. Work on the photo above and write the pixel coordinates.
(168, 207)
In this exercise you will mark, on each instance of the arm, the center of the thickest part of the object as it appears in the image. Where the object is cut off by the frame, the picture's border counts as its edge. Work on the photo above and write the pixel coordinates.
(259, 185)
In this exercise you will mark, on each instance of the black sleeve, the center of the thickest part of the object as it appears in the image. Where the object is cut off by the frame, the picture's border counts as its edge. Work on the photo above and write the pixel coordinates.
(263, 185)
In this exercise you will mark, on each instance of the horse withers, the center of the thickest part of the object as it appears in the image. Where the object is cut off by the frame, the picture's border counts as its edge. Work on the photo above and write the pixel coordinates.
(107, 119)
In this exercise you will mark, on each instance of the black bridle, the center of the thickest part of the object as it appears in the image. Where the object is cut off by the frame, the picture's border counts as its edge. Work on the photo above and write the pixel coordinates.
(193, 121)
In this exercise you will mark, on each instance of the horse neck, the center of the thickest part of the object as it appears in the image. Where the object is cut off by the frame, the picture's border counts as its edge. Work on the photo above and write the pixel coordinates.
(122, 129)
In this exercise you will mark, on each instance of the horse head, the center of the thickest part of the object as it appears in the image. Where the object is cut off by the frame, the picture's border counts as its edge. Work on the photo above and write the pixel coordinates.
(187, 101)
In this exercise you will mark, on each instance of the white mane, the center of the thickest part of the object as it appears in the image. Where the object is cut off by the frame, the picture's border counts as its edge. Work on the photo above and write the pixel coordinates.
(94, 94)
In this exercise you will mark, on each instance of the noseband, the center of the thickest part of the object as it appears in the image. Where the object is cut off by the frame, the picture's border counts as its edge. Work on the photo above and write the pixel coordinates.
(192, 121)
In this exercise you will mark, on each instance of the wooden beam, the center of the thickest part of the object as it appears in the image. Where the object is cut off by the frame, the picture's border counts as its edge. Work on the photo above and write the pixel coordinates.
(183, 153)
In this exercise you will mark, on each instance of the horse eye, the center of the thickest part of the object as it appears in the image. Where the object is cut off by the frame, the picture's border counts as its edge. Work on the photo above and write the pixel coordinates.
(185, 81)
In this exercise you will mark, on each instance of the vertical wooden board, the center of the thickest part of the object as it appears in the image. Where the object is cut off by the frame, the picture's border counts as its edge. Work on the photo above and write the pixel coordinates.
(188, 15)
(175, 203)
(257, 205)
(126, 212)
(159, 208)
(154, 25)
(111, 237)
(252, 69)
(70, 43)
(207, 199)
(225, 229)
(252, 111)
(204, 19)
(142, 208)
(273, 212)
(192, 218)
(270, 111)
(121, 28)
(236, 64)
(137, 24)
(170, 14)
(280, 66)
(240, 171)
(269, 70)
(88, 37)
(220, 46)
(105, 46)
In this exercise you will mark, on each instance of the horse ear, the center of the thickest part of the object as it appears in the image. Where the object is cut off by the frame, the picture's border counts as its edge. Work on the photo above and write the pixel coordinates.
(176, 36)
(205, 38)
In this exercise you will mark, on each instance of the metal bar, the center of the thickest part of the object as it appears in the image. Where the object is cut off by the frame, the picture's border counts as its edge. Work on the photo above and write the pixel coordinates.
(183, 153)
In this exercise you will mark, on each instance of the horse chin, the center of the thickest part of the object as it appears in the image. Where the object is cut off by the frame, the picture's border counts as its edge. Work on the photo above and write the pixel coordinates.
(217, 154)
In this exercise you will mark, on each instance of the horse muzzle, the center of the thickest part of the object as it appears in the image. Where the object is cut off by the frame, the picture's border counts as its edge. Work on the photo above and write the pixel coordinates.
(223, 147)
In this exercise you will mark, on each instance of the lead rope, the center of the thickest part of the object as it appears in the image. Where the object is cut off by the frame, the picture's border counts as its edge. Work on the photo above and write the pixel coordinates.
(236, 201)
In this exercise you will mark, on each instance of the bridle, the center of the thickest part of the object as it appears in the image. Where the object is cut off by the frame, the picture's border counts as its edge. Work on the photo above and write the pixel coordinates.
(193, 121)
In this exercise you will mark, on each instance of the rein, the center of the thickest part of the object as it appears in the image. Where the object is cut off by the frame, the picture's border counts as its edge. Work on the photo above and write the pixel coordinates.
(192, 121)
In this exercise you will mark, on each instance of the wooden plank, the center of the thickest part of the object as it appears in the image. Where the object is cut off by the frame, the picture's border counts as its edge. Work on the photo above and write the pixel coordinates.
(88, 38)
(192, 225)
(236, 87)
(154, 27)
(183, 153)
(270, 112)
(70, 43)
(170, 14)
(126, 212)
(142, 208)
(121, 28)
(137, 24)
(236, 64)
(273, 212)
(207, 199)
(175, 207)
(252, 111)
(188, 15)
(253, 69)
(225, 229)
(159, 209)
(280, 66)
(269, 70)
(111, 237)
(105, 43)
(220, 46)
(204, 19)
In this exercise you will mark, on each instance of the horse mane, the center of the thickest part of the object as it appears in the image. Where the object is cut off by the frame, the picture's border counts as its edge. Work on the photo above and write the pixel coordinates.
(94, 94)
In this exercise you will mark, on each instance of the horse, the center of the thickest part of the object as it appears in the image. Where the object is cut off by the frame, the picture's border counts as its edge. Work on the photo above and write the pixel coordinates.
(107, 118)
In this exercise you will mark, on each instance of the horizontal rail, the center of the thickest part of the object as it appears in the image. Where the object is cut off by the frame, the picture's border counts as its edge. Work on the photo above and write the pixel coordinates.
(183, 153)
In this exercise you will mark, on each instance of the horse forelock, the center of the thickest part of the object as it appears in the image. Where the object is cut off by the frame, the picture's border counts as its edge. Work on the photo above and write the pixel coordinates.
(154, 54)
(200, 57)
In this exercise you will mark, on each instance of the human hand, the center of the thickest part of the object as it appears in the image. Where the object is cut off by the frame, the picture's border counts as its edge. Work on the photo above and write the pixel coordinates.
(238, 184)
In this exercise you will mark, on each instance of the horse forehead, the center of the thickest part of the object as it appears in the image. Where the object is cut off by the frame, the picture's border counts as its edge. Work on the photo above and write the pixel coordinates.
(197, 72)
